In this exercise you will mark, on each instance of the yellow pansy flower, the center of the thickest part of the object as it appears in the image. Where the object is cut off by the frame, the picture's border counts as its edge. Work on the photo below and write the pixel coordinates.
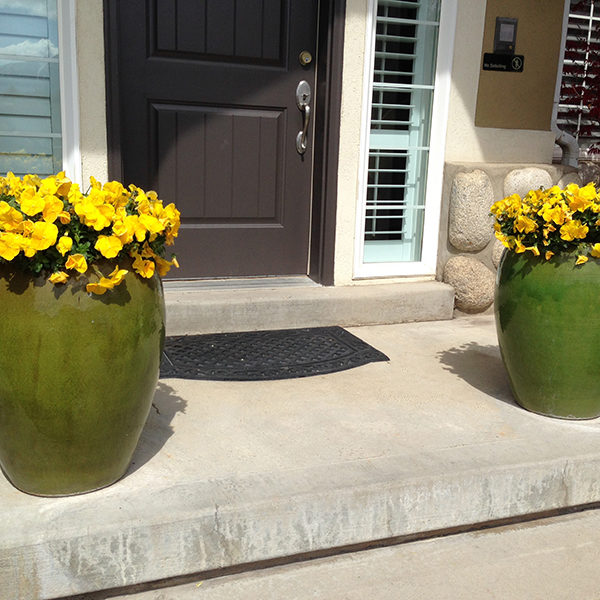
(118, 196)
(519, 247)
(64, 245)
(163, 266)
(152, 224)
(75, 194)
(48, 186)
(58, 277)
(142, 201)
(92, 215)
(96, 185)
(595, 251)
(95, 288)
(63, 184)
(31, 202)
(11, 185)
(144, 268)
(524, 224)
(43, 235)
(573, 230)
(64, 217)
(138, 228)
(32, 180)
(553, 213)
(118, 275)
(10, 245)
(107, 283)
(10, 218)
(53, 207)
(77, 262)
(581, 259)
(27, 227)
(108, 245)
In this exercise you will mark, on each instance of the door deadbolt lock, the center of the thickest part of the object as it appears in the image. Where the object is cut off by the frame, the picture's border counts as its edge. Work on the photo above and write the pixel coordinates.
(305, 58)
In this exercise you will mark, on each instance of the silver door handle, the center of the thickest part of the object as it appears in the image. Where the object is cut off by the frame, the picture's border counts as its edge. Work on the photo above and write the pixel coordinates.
(303, 97)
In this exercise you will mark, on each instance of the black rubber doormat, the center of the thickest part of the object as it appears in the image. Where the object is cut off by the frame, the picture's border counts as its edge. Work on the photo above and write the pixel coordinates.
(262, 355)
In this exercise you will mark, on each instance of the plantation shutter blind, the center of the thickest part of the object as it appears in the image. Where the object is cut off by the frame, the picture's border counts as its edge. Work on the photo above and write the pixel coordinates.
(402, 96)
(581, 63)
(30, 126)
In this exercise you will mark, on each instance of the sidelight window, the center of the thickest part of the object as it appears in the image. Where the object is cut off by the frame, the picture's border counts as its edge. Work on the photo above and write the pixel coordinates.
(400, 96)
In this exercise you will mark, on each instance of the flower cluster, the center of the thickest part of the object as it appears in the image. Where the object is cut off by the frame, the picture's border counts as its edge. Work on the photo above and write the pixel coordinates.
(50, 226)
(550, 222)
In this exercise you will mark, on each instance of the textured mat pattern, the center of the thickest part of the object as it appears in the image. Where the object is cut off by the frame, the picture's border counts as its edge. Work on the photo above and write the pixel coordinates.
(257, 355)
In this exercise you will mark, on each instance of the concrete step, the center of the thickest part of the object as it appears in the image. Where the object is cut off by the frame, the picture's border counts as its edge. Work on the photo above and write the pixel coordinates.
(255, 305)
(547, 559)
(232, 473)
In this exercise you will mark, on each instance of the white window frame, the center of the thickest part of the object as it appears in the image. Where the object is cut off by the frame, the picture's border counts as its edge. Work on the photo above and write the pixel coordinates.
(435, 168)
(69, 90)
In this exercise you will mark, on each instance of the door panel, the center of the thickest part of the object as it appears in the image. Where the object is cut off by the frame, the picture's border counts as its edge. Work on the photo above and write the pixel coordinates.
(209, 119)
(218, 180)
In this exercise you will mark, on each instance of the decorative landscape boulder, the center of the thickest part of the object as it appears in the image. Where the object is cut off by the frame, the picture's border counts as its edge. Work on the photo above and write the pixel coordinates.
(521, 181)
(470, 225)
(472, 281)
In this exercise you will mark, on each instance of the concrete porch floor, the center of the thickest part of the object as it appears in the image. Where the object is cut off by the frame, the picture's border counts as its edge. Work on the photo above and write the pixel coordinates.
(231, 473)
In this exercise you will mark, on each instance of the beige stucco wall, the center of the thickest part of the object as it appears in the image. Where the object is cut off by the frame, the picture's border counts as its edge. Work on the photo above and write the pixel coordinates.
(92, 96)
(465, 142)
(350, 138)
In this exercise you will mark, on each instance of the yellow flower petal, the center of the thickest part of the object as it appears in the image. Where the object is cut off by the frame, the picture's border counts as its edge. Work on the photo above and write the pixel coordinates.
(43, 235)
(77, 262)
(31, 202)
(144, 268)
(10, 245)
(59, 277)
(573, 230)
(108, 245)
(581, 259)
(95, 288)
(64, 245)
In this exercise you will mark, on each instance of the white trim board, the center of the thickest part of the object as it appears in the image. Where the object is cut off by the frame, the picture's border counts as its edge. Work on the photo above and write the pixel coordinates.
(69, 90)
(435, 168)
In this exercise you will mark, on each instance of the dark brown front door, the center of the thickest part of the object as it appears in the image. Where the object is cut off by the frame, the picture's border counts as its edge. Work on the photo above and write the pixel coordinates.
(208, 118)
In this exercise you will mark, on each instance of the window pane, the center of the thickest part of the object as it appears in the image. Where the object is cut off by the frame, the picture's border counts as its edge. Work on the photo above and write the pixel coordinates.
(30, 126)
(402, 97)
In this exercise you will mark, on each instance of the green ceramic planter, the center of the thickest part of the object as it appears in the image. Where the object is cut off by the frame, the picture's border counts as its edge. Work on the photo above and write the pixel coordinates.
(548, 324)
(77, 377)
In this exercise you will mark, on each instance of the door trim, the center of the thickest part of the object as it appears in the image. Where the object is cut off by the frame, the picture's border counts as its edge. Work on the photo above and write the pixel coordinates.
(327, 126)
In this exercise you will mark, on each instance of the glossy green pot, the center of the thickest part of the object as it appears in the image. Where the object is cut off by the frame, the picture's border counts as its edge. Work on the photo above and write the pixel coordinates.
(548, 323)
(77, 377)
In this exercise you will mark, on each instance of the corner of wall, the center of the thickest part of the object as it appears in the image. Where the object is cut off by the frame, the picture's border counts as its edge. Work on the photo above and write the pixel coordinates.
(92, 92)
(350, 139)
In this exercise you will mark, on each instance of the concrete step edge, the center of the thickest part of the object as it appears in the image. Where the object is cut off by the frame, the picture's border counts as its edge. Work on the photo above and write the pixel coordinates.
(219, 311)
(520, 560)
(196, 527)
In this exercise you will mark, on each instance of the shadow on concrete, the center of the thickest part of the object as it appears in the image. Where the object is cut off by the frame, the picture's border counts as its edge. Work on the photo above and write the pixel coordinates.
(481, 367)
(158, 429)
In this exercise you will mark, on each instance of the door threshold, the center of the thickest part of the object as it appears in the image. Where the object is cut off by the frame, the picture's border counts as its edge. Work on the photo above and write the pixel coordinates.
(227, 283)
